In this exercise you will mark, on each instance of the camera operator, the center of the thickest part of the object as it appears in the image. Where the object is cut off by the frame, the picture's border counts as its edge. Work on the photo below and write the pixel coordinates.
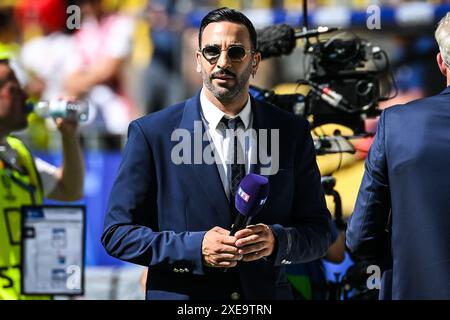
(405, 191)
(25, 180)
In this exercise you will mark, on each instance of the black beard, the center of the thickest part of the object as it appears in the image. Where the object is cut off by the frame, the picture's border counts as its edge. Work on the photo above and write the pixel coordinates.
(225, 95)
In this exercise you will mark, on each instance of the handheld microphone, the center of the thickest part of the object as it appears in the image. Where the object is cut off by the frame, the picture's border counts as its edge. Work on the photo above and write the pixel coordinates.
(249, 200)
(277, 40)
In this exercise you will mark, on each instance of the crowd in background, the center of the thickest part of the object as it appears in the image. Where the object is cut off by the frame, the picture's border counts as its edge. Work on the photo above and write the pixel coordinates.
(132, 57)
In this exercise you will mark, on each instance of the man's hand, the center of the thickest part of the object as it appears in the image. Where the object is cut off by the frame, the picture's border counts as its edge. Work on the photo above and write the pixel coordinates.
(218, 249)
(70, 176)
(255, 242)
(68, 128)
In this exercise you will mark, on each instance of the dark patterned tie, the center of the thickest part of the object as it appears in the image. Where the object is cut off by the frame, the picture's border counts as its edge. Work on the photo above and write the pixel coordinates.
(238, 163)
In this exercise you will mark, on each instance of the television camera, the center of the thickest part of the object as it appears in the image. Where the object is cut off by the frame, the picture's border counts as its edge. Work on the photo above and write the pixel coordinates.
(347, 78)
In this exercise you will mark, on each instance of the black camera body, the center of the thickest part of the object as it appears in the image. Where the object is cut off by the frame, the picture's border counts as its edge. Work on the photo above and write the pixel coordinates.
(347, 79)
(361, 92)
(352, 68)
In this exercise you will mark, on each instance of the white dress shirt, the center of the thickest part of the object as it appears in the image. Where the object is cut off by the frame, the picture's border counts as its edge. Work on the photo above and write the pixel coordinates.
(223, 143)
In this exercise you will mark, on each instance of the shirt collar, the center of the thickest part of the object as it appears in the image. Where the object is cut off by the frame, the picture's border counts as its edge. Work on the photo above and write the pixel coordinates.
(213, 115)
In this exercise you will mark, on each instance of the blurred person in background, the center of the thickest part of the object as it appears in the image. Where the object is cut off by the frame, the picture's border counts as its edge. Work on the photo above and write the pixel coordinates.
(401, 219)
(10, 40)
(101, 49)
(190, 76)
(46, 55)
(164, 85)
(25, 180)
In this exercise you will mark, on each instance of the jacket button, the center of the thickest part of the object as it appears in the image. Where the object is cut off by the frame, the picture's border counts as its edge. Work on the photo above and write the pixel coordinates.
(235, 296)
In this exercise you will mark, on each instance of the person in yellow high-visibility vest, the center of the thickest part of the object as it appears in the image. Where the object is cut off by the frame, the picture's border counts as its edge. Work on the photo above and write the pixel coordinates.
(25, 180)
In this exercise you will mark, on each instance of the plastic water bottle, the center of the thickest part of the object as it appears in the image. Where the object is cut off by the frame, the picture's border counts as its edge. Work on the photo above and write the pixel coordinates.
(75, 110)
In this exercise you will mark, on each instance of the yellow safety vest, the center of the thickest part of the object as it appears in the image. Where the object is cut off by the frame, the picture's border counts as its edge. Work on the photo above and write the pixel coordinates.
(16, 190)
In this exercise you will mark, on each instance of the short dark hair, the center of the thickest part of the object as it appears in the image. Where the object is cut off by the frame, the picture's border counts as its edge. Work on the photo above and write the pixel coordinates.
(230, 15)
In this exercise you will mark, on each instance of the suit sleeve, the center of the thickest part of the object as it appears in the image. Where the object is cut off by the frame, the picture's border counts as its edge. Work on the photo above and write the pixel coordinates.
(308, 237)
(365, 230)
(131, 223)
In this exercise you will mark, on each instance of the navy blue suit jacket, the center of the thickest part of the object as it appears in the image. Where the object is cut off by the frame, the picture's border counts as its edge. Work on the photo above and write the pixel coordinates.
(408, 173)
(158, 211)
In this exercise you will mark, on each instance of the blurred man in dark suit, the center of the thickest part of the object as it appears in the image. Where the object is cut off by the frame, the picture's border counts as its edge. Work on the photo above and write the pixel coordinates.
(405, 189)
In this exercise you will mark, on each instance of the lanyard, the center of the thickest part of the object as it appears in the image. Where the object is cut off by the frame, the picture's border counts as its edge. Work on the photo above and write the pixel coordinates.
(9, 157)
(8, 161)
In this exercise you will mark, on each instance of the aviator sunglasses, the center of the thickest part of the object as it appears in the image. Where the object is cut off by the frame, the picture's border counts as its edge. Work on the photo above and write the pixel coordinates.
(235, 53)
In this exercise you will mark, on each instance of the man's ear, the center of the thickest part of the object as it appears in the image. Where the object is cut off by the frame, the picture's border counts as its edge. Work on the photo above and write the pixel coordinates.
(256, 61)
(199, 66)
(441, 64)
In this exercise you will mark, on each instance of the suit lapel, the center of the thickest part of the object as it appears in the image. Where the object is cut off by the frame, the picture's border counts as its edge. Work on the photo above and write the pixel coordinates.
(206, 176)
(259, 122)
(262, 121)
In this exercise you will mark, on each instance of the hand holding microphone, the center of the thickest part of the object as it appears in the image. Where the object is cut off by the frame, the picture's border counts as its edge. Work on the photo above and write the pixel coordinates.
(255, 241)
(249, 200)
(219, 249)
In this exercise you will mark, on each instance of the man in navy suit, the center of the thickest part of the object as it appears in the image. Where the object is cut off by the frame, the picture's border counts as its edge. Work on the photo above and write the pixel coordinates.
(175, 216)
(406, 189)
